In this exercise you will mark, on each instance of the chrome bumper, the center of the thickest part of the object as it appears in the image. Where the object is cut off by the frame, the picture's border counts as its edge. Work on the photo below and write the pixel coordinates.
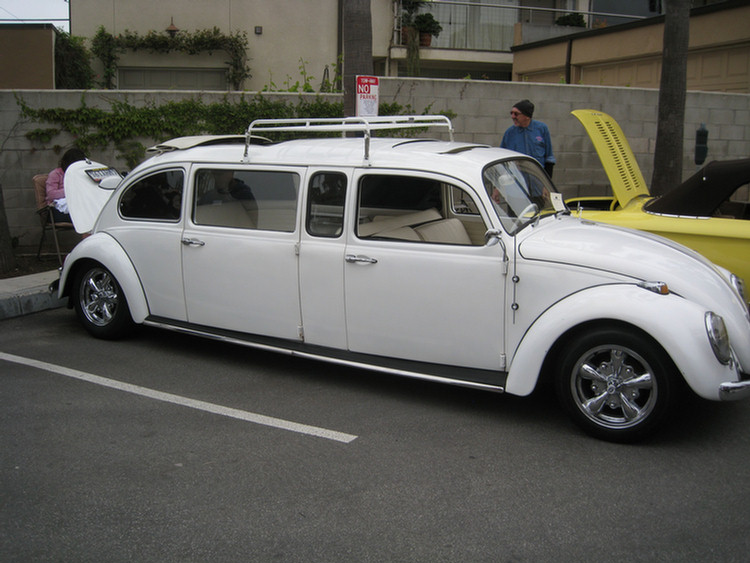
(735, 390)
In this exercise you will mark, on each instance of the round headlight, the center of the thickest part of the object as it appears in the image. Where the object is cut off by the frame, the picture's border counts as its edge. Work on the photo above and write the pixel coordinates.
(718, 337)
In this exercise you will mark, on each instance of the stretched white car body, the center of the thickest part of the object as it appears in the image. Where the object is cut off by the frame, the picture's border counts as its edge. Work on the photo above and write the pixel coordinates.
(351, 299)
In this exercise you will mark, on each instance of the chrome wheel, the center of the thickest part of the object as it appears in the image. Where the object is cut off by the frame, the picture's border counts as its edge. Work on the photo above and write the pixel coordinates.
(100, 303)
(614, 386)
(617, 384)
(99, 295)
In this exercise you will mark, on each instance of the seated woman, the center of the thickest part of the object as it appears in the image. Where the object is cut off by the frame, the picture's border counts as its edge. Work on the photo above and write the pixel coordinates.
(55, 187)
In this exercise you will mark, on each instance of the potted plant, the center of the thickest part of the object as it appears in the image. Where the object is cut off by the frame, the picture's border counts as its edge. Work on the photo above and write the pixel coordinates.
(571, 20)
(409, 10)
(427, 27)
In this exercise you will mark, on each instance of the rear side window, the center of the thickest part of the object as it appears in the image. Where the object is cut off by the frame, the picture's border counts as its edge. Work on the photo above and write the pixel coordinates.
(155, 197)
(246, 199)
(325, 204)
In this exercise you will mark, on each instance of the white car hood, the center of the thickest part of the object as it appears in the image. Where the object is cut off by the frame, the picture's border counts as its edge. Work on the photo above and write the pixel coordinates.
(83, 194)
(634, 254)
(642, 256)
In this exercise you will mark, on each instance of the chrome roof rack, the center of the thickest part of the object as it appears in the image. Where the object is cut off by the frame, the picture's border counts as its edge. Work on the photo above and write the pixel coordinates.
(344, 125)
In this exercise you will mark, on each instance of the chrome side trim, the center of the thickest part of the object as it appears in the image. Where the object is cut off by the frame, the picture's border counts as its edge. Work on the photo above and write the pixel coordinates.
(299, 353)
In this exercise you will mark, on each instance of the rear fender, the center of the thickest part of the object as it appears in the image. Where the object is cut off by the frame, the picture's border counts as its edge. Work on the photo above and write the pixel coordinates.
(105, 250)
(675, 323)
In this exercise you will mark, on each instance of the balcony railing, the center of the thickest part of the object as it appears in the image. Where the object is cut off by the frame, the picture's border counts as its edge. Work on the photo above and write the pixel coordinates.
(474, 27)
(487, 25)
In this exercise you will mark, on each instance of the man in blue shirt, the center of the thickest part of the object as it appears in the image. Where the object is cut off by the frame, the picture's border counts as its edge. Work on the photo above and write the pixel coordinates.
(529, 136)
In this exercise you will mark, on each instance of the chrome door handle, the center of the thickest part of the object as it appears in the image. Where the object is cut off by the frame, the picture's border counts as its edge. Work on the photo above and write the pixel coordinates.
(352, 258)
(192, 242)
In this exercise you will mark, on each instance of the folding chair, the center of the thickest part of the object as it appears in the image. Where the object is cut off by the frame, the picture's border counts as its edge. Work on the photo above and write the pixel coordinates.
(44, 210)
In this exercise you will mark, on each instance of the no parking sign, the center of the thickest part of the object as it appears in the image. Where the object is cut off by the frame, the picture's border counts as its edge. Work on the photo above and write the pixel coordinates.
(367, 96)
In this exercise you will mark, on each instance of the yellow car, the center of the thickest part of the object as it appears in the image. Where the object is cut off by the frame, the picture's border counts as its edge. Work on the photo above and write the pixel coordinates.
(709, 212)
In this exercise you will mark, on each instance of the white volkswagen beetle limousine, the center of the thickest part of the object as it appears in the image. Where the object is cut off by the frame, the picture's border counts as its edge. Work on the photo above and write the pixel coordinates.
(447, 261)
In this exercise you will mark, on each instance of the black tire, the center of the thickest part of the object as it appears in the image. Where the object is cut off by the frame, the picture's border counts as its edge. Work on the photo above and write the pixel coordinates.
(617, 384)
(100, 303)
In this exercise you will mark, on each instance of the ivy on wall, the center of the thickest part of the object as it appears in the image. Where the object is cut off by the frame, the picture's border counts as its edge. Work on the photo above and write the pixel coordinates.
(123, 124)
(107, 47)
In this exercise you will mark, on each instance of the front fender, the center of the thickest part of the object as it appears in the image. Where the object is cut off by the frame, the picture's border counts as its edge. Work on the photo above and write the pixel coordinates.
(677, 324)
(102, 248)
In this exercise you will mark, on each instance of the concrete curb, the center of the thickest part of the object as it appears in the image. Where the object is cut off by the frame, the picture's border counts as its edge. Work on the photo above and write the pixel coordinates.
(24, 295)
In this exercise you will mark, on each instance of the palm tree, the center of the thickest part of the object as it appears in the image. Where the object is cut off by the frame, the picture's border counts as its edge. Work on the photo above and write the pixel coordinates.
(672, 91)
(357, 31)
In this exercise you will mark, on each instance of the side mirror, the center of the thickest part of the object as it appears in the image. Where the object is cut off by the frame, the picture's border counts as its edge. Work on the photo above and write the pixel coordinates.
(493, 237)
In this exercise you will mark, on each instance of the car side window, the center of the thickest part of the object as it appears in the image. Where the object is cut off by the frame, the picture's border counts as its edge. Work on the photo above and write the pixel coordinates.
(737, 206)
(414, 209)
(462, 203)
(325, 204)
(155, 197)
(246, 199)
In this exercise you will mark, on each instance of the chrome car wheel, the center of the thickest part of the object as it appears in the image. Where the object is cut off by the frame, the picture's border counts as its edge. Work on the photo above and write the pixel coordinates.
(614, 386)
(100, 303)
(99, 295)
(617, 385)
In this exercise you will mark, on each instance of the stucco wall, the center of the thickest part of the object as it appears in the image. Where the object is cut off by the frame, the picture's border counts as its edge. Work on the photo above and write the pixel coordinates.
(286, 36)
(481, 110)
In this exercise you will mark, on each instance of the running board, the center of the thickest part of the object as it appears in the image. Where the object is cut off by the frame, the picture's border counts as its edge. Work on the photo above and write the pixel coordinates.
(486, 380)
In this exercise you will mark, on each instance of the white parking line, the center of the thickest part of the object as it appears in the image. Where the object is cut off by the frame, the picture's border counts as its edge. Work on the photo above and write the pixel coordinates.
(184, 401)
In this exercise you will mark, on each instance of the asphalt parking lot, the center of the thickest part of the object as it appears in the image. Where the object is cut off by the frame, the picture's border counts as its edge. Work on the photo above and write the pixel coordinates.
(164, 447)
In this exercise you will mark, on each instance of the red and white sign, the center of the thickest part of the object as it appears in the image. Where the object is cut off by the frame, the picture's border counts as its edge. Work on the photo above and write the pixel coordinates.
(367, 96)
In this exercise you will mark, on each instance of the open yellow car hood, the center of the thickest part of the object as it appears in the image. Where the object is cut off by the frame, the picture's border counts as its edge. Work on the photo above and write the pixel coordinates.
(615, 153)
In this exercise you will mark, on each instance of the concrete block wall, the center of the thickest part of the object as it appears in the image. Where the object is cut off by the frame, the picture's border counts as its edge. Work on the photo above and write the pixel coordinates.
(482, 115)
(21, 159)
(481, 110)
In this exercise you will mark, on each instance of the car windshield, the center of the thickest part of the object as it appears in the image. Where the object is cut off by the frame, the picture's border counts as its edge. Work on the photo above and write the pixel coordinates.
(519, 191)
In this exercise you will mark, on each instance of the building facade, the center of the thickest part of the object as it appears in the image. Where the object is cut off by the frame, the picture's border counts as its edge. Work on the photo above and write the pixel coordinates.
(296, 45)
(281, 35)
(292, 41)
(630, 54)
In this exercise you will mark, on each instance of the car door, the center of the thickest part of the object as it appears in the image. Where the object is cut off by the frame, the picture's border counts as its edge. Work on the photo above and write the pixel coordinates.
(239, 250)
(321, 257)
(411, 294)
(149, 229)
